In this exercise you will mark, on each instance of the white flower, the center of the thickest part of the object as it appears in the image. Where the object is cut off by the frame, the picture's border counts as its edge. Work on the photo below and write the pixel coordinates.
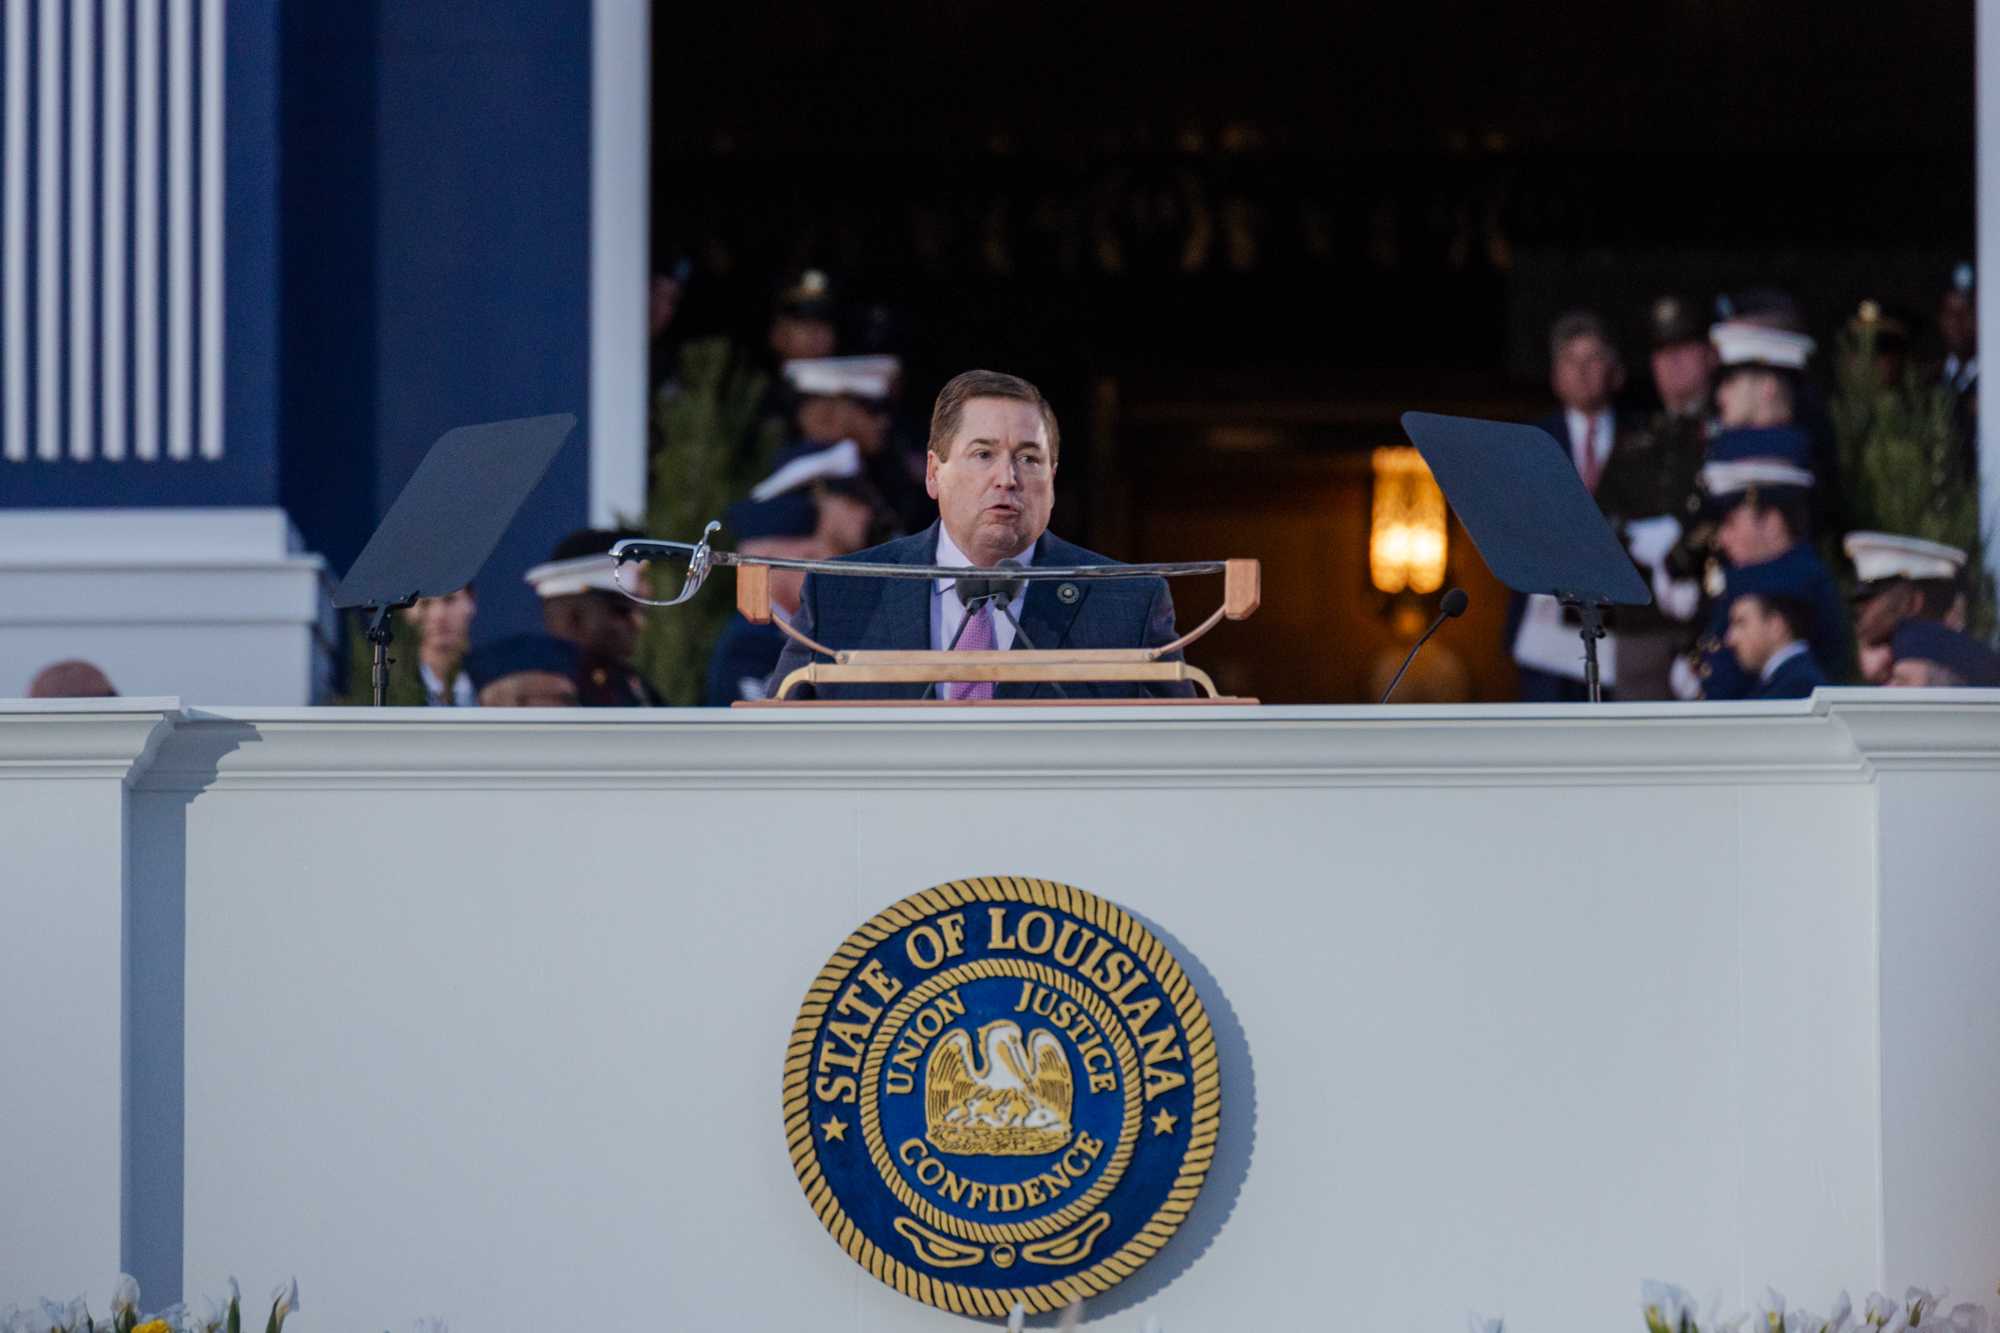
(1803, 1321)
(1967, 1318)
(1877, 1309)
(1672, 1307)
(1898, 1322)
(1771, 1310)
(284, 1301)
(1918, 1304)
(1843, 1310)
(125, 1295)
(1476, 1322)
(78, 1314)
(176, 1316)
(214, 1314)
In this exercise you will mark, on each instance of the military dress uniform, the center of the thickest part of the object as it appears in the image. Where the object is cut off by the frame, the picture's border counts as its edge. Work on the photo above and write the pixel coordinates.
(1744, 466)
(1650, 497)
(747, 653)
(581, 566)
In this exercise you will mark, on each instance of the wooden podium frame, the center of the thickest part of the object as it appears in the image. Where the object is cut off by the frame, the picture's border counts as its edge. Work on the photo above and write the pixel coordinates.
(1241, 596)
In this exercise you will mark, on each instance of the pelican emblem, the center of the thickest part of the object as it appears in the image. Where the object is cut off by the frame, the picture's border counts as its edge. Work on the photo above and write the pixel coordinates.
(1015, 1104)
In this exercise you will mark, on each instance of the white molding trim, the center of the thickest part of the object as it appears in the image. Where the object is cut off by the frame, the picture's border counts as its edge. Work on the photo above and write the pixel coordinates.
(104, 739)
(1837, 738)
(620, 190)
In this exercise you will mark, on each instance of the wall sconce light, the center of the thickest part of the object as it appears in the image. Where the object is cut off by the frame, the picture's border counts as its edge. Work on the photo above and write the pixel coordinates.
(1407, 533)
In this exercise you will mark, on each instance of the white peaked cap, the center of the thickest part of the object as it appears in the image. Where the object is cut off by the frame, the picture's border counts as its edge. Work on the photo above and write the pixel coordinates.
(850, 376)
(1739, 343)
(836, 462)
(1741, 474)
(1890, 555)
(561, 578)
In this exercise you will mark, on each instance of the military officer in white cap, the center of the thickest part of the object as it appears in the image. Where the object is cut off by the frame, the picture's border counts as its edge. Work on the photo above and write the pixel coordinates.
(1900, 578)
(582, 605)
(853, 398)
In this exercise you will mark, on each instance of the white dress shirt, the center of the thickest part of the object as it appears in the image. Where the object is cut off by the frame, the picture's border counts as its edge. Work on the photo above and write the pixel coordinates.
(1580, 424)
(1779, 658)
(948, 613)
(462, 694)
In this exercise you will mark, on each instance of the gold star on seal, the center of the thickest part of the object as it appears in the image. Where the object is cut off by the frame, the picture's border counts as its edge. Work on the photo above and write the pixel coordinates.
(1163, 1123)
(834, 1128)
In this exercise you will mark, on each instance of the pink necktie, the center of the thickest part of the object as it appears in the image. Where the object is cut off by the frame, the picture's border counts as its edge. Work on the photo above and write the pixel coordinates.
(1588, 465)
(978, 637)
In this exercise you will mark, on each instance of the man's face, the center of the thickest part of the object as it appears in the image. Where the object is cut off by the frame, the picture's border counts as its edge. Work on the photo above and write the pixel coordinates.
(444, 624)
(1958, 325)
(801, 338)
(604, 624)
(844, 523)
(1754, 633)
(1914, 673)
(1749, 535)
(1753, 398)
(865, 424)
(1681, 373)
(997, 484)
(529, 689)
(1585, 373)
(822, 420)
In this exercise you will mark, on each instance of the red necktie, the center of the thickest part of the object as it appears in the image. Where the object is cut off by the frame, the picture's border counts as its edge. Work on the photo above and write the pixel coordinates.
(1587, 465)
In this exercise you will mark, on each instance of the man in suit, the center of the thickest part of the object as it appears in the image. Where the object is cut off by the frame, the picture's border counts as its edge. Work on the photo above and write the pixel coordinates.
(1767, 634)
(1586, 373)
(1760, 487)
(991, 468)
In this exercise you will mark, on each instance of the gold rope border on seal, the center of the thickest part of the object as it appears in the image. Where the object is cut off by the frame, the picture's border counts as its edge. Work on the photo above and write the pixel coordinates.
(871, 1119)
(1203, 1077)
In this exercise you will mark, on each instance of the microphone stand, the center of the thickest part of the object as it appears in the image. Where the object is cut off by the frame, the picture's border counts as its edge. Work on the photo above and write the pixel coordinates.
(1454, 606)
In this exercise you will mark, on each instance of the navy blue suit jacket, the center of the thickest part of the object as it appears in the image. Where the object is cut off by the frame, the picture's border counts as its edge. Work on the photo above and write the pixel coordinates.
(847, 613)
(1796, 678)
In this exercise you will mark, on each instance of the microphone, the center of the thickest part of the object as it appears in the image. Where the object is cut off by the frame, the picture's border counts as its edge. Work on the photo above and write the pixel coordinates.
(1451, 607)
(973, 590)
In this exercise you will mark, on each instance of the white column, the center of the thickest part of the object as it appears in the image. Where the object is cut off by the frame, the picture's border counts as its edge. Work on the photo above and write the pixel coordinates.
(112, 321)
(63, 769)
(1987, 136)
(14, 168)
(82, 208)
(620, 172)
(210, 395)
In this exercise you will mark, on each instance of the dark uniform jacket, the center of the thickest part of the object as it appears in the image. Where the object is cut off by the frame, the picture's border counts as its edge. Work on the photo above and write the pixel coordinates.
(1798, 575)
(742, 663)
(846, 613)
(1796, 678)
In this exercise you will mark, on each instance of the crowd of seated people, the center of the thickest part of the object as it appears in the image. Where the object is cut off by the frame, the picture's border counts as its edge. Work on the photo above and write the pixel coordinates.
(1728, 495)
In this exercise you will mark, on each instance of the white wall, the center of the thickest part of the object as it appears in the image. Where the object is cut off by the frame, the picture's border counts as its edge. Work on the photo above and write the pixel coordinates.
(201, 603)
(1517, 1006)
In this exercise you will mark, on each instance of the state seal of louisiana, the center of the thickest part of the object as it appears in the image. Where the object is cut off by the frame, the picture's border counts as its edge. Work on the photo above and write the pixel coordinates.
(1001, 1091)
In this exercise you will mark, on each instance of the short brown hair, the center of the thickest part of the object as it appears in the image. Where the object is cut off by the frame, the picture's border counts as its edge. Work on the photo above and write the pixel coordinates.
(1574, 324)
(963, 388)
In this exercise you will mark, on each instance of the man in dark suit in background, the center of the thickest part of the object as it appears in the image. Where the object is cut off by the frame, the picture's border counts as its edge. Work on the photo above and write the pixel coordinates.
(1586, 373)
(991, 468)
(1768, 636)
